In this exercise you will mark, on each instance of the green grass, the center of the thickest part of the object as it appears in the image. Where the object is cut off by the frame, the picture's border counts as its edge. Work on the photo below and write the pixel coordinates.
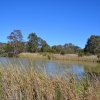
(17, 83)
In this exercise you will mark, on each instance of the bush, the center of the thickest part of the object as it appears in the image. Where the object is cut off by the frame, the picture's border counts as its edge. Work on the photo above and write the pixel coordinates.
(4, 55)
(53, 50)
(49, 57)
(62, 52)
(10, 54)
(88, 54)
(98, 55)
(81, 53)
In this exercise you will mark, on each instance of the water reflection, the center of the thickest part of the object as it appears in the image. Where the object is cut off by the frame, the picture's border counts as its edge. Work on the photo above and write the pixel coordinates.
(53, 67)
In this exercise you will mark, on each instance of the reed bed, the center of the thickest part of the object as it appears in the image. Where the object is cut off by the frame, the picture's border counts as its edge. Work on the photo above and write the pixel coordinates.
(74, 57)
(18, 83)
(70, 57)
(31, 55)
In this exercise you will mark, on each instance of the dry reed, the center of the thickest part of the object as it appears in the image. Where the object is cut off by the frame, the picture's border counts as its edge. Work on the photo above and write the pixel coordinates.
(70, 57)
(17, 83)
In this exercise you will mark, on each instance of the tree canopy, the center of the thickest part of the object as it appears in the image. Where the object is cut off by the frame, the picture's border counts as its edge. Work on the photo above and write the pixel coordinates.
(66, 48)
(36, 44)
(15, 43)
(93, 45)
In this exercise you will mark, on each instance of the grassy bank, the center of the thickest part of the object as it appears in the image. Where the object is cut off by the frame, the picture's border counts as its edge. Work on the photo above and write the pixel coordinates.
(70, 57)
(74, 57)
(17, 83)
(31, 55)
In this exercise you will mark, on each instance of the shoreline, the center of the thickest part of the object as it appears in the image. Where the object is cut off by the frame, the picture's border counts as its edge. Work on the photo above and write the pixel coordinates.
(69, 57)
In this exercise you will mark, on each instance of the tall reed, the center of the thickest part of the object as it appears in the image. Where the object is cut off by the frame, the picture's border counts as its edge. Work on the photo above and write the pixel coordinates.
(18, 83)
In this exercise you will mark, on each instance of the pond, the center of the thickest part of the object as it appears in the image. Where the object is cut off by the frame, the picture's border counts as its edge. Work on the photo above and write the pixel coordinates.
(53, 67)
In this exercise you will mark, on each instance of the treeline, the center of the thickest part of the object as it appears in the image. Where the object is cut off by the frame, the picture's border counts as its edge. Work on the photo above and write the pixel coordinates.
(17, 45)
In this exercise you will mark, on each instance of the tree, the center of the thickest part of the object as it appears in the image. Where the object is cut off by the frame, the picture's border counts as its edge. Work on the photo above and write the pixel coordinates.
(67, 48)
(70, 48)
(57, 48)
(2, 47)
(93, 45)
(45, 47)
(36, 44)
(98, 56)
(33, 43)
(81, 53)
(15, 43)
(62, 52)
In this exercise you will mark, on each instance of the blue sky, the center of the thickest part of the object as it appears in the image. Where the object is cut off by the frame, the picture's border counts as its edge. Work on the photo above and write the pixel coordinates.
(56, 21)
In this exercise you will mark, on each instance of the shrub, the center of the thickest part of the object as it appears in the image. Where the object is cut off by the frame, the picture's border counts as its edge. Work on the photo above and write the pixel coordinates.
(81, 53)
(10, 54)
(62, 52)
(98, 55)
(53, 50)
(49, 56)
(88, 54)
(4, 55)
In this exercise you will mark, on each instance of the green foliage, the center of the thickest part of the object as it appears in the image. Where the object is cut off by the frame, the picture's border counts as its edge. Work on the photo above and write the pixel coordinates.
(98, 55)
(11, 54)
(81, 53)
(36, 44)
(57, 48)
(45, 47)
(4, 55)
(93, 45)
(71, 49)
(58, 92)
(2, 48)
(62, 52)
(33, 42)
(67, 48)
(49, 57)
(15, 43)
(88, 54)
(53, 50)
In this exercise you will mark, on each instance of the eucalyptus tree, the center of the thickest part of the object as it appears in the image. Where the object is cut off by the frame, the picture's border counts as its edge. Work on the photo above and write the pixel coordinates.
(36, 44)
(93, 45)
(15, 42)
(44, 46)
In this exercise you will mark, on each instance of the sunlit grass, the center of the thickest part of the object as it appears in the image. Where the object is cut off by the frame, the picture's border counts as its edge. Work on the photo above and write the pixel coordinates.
(18, 83)
(70, 57)
(74, 57)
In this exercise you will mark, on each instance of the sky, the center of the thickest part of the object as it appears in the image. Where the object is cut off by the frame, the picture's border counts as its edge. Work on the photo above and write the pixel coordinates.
(56, 21)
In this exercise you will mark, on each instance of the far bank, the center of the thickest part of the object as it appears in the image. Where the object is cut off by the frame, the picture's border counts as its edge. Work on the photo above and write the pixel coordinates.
(70, 57)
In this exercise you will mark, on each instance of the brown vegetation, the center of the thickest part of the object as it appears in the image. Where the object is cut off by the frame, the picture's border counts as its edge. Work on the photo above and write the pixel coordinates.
(70, 57)
(17, 83)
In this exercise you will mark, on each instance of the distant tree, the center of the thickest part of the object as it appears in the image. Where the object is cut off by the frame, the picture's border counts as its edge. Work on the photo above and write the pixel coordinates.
(36, 44)
(8, 48)
(53, 50)
(15, 43)
(70, 48)
(93, 45)
(81, 53)
(67, 48)
(45, 47)
(57, 48)
(62, 52)
(33, 42)
(98, 56)
(2, 47)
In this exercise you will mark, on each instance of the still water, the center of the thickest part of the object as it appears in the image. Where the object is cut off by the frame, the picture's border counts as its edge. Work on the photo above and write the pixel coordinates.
(53, 67)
